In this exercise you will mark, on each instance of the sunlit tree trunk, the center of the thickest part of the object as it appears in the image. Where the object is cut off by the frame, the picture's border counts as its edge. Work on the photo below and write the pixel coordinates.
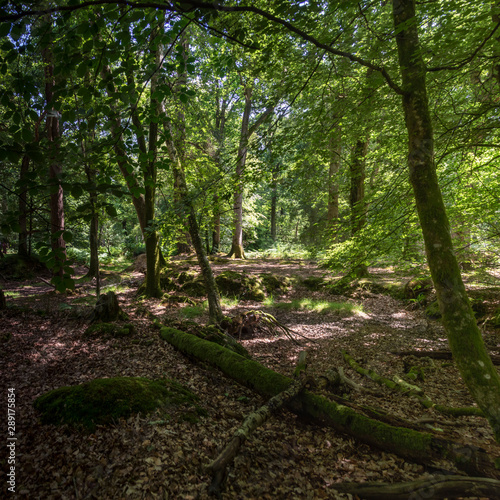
(357, 191)
(237, 243)
(176, 144)
(466, 343)
(335, 151)
(55, 168)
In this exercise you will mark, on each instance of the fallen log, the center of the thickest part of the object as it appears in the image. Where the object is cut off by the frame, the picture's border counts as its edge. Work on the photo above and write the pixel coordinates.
(438, 355)
(218, 467)
(407, 389)
(412, 445)
(432, 487)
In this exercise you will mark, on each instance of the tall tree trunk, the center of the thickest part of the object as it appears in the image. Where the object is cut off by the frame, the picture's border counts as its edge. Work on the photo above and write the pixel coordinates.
(274, 203)
(216, 227)
(22, 249)
(357, 198)
(176, 144)
(55, 169)
(357, 193)
(335, 150)
(465, 339)
(237, 244)
(121, 155)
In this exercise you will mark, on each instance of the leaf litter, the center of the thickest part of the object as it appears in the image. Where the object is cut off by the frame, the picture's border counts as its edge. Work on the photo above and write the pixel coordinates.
(162, 456)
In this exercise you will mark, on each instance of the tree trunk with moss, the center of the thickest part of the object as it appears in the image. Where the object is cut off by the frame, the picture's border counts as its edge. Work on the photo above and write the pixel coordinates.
(237, 251)
(412, 445)
(464, 336)
(176, 144)
(335, 152)
(55, 167)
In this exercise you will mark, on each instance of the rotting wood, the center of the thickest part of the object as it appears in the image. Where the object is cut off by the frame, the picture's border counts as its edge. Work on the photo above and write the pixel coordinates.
(420, 447)
(412, 390)
(218, 467)
(446, 355)
(433, 487)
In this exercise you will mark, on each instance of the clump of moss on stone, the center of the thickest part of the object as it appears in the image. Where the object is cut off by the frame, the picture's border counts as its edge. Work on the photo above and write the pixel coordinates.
(232, 283)
(105, 401)
(314, 283)
(432, 310)
(417, 286)
(109, 330)
(275, 284)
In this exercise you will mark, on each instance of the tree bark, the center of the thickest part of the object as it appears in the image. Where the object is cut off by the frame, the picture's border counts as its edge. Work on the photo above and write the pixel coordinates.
(335, 150)
(22, 249)
(176, 148)
(464, 337)
(237, 251)
(55, 168)
(357, 192)
(274, 201)
(412, 445)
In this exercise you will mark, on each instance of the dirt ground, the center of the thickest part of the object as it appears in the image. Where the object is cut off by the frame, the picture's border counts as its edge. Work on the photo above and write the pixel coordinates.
(146, 456)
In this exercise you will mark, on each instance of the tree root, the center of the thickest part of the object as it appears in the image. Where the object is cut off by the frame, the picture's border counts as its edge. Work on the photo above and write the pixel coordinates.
(248, 321)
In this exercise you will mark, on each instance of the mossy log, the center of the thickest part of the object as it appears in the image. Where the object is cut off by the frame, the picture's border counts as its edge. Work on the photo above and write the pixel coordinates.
(416, 446)
(433, 487)
(407, 389)
(438, 355)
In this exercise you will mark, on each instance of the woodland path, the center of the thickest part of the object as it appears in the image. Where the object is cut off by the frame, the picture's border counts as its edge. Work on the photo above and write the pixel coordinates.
(145, 457)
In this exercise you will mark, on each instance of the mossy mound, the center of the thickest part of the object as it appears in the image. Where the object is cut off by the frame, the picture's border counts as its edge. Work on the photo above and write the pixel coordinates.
(275, 284)
(104, 401)
(432, 310)
(245, 287)
(107, 330)
(194, 288)
(314, 283)
(17, 268)
(418, 287)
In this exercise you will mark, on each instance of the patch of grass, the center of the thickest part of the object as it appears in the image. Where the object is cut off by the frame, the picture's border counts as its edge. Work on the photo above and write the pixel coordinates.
(269, 301)
(190, 312)
(319, 306)
(13, 295)
(229, 301)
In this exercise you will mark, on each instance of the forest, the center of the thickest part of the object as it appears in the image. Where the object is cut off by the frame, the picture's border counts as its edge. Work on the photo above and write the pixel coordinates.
(250, 249)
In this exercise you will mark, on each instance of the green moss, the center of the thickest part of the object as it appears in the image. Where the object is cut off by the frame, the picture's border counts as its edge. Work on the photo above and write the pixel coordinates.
(210, 333)
(106, 330)
(274, 283)
(232, 283)
(418, 286)
(314, 283)
(194, 288)
(432, 310)
(104, 401)
(187, 276)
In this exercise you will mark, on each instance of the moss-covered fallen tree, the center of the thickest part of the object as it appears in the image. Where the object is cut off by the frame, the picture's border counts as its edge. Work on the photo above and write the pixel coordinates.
(412, 445)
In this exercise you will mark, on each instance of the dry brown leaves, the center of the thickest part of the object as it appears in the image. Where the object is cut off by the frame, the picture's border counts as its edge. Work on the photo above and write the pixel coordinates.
(162, 457)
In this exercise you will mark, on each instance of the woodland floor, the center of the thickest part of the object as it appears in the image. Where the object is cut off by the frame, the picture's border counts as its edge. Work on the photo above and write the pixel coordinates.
(146, 457)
